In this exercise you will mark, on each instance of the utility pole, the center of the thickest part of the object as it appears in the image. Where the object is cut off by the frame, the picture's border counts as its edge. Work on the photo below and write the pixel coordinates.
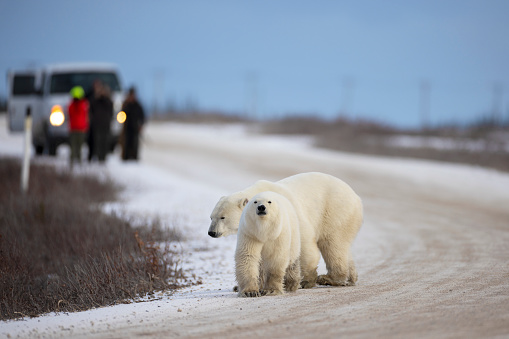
(347, 96)
(498, 92)
(252, 95)
(25, 167)
(424, 103)
(158, 90)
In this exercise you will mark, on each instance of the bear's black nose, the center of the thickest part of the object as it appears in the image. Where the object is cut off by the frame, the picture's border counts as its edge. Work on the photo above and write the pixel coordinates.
(261, 208)
(214, 234)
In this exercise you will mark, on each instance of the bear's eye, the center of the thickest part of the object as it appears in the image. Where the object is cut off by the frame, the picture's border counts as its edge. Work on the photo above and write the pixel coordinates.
(270, 202)
(222, 218)
(256, 202)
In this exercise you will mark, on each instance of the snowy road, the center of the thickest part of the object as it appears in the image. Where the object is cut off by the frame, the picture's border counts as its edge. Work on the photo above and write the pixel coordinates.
(432, 255)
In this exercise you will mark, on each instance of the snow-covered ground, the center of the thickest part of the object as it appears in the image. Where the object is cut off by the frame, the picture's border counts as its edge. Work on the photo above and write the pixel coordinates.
(499, 142)
(432, 232)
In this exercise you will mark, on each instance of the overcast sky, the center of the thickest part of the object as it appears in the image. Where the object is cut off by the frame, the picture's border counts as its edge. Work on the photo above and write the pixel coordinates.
(364, 59)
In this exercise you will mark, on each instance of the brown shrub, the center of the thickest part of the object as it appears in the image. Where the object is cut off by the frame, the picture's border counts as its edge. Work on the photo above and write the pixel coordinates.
(60, 252)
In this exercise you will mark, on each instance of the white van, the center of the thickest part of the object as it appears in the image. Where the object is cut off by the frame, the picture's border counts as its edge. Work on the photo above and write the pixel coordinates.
(46, 90)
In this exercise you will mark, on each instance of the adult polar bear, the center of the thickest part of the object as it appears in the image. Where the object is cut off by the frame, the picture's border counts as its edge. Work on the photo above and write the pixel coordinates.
(330, 216)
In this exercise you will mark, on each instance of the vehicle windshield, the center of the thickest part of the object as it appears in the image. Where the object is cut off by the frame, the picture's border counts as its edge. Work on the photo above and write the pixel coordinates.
(63, 82)
(23, 85)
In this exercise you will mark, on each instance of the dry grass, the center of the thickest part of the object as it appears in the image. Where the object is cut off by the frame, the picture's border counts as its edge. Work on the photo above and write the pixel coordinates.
(60, 252)
(372, 138)
(200, 117)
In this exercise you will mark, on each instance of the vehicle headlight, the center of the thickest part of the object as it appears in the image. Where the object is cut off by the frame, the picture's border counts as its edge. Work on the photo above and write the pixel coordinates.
(57, 116)
(121, 117)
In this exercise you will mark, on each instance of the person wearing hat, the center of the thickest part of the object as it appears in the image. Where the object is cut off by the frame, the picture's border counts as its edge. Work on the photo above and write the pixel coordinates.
(78, 122)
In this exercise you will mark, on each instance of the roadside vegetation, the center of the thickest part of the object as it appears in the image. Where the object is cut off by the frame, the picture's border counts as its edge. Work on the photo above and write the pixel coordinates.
(483, 144)
(60, 253)
(200, 117)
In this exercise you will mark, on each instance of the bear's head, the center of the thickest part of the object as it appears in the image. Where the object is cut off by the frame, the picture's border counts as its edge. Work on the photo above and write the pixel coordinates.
(261, 205)
(262, 216)
(224, 219)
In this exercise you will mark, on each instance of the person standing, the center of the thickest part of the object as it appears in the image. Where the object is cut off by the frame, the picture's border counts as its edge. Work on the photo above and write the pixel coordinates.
(78, 122)
(101, 113)
(90, 137)
(135, 118)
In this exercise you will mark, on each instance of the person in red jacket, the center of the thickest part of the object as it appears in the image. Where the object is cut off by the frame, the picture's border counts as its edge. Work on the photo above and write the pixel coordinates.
(78, 122)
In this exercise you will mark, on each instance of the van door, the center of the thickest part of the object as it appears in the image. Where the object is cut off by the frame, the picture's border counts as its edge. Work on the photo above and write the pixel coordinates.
(22, 94)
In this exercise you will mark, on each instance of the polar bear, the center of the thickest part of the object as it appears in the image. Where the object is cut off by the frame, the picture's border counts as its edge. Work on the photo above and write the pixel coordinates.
(268, 247)
(330, 215)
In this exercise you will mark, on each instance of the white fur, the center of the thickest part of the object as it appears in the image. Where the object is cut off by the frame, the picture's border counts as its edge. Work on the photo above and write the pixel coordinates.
(268, 247)
(330, 216)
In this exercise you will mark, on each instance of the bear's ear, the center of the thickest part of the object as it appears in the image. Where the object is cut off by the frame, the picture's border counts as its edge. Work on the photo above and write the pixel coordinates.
(243, 202)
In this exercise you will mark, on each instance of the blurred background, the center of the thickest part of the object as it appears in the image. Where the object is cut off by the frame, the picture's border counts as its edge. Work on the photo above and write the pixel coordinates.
(407, 64)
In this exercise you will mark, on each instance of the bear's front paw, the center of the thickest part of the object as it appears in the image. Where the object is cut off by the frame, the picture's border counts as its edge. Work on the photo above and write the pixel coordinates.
(250, 294)
(292, 287)
(271, 292)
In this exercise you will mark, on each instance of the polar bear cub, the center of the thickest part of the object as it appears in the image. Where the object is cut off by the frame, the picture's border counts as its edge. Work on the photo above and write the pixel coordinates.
(268, 247)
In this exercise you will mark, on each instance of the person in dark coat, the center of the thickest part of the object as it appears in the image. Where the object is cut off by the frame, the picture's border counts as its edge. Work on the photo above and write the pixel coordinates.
(90, 135)
(135, 118)
(101, 112)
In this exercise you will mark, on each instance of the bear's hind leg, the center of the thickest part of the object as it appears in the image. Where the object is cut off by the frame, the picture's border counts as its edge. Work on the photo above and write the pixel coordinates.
(351, 280)
(292, 277)
(337, 262)
(352, 273)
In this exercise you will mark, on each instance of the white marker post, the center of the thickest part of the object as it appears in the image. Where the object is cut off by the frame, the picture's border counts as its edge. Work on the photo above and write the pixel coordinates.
(25, 168)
